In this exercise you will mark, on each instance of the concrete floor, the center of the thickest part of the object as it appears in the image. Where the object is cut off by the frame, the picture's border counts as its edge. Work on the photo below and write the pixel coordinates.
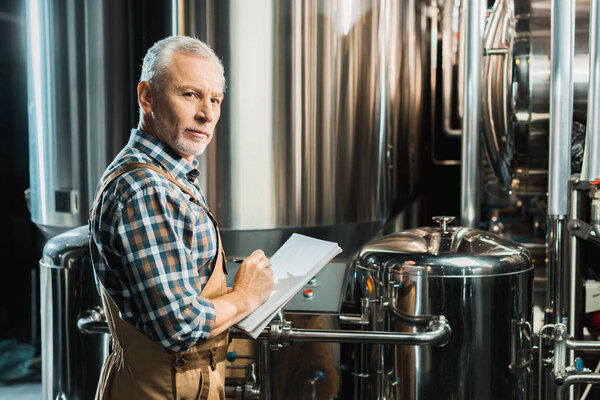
(21, 391)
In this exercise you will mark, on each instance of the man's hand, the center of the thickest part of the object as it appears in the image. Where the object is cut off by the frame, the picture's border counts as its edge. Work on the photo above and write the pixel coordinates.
(252, 286)
(254, 279)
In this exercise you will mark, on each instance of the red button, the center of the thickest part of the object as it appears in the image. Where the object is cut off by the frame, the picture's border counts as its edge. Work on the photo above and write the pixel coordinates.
(307, 293)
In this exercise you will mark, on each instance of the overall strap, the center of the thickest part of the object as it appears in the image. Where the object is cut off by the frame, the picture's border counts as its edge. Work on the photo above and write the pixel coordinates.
(137, 165)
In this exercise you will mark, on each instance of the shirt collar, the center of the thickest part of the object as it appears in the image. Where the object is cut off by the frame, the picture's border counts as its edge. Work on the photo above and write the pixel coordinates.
(162, 153)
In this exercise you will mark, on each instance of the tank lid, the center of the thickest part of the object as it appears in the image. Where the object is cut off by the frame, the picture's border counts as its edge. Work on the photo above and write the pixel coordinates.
(445, 251)
(68, 250)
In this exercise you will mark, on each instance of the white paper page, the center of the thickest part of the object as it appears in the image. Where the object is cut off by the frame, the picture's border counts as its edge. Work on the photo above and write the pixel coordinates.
(294, 264)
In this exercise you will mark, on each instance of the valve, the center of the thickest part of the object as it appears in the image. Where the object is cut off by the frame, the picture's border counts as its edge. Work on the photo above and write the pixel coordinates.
(318, 376)
(579, 364)
(310, 386)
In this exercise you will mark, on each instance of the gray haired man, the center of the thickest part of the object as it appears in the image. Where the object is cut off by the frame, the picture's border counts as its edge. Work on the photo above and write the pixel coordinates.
(155, 246)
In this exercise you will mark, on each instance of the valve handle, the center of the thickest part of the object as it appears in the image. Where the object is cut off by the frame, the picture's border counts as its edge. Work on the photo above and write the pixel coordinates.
(444, 221)
(231, 356)
(579, 364)
(319, 376)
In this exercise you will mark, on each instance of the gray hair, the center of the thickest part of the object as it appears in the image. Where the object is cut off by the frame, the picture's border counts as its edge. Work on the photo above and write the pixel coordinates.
(157, 61)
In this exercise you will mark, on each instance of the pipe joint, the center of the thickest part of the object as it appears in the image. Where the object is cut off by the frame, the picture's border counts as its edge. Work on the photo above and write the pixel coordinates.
(595, 210)
(560, 353)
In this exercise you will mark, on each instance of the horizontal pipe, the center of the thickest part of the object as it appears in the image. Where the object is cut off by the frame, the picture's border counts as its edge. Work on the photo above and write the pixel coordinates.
(439, 336)
(579, 345)
(573, 379)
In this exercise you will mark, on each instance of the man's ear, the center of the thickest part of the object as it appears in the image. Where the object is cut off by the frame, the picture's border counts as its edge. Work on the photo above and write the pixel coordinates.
(144, 93)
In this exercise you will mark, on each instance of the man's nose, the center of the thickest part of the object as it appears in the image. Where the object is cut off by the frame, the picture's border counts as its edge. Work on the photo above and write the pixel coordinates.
(205, 111)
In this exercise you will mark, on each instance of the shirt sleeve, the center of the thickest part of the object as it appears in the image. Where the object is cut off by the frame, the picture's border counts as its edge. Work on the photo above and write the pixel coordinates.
(151, 234)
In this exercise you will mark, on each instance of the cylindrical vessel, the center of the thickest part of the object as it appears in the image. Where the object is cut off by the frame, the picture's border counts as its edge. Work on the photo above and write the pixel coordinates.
(482, 284)
(516, 91)
(71, 360)
(82, 70)
(313, 100)
(314, 126)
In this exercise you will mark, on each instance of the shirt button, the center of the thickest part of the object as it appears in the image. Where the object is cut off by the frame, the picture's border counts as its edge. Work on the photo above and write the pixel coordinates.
(180, 362)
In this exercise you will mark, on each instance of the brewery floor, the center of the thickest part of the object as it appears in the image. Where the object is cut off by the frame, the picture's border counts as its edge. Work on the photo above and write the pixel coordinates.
(21, 391)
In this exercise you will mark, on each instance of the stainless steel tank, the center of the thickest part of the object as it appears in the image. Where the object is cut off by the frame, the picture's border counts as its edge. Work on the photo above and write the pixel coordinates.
(319, 129)
(83, 62)
(71, 359)
(314, 133)
(516, 90)
(481, 283)
(312, 104)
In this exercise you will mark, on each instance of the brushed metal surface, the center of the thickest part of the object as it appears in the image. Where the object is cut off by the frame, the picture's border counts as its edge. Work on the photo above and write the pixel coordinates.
(516, 89)
(82, 70)
(71, 360)
(482, 285)
(321, 123)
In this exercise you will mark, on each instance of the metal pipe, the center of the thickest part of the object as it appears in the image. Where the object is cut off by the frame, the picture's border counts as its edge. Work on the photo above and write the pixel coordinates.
(574, 305)
(573, 379)
(560, 353)
(439, 334)
(555, 257)
(472, 90)
(540, 358)
(561, 105)
(582, 345)
(264, 363)
(592, 148)
(92, 321)
(595, 210)
(450, 29)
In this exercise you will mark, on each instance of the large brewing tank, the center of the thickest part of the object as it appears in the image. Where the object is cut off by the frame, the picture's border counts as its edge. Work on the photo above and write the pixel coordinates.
(310, 134)
(481, 283)
(516, 91)
(83, 62)
(312, 103)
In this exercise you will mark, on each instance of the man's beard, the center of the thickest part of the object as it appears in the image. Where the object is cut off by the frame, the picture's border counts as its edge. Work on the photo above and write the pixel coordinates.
(183, 144)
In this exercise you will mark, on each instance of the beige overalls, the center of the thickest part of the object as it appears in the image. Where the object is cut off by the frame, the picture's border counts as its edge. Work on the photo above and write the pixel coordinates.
(137, 368)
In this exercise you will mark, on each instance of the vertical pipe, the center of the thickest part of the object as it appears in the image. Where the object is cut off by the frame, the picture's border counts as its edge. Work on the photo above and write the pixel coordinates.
(574, 306)
(561, 105)
(555, 257)
(472, 89)
(265, 369)
(561, 120)
(592, 150)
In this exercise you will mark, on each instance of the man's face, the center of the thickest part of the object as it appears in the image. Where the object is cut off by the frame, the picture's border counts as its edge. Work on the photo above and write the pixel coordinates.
(188, 105)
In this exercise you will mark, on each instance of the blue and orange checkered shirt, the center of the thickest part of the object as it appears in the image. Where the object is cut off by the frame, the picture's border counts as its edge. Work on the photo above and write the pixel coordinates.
(153, 249)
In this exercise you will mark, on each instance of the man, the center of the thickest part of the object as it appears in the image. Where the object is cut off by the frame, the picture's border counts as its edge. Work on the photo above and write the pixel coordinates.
(155, 246)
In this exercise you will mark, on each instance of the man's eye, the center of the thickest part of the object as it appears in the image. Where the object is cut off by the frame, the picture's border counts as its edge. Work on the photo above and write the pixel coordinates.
(215, 100)
(189, 94)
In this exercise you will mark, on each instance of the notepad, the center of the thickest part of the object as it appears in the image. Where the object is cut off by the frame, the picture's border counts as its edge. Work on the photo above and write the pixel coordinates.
(294, 264)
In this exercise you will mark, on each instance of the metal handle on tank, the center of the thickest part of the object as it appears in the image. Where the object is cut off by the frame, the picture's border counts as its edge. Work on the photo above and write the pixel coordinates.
(92, 321)
(444, 221)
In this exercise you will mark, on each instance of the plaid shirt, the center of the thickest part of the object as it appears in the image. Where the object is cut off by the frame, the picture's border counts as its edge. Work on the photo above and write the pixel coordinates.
(153, 249)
